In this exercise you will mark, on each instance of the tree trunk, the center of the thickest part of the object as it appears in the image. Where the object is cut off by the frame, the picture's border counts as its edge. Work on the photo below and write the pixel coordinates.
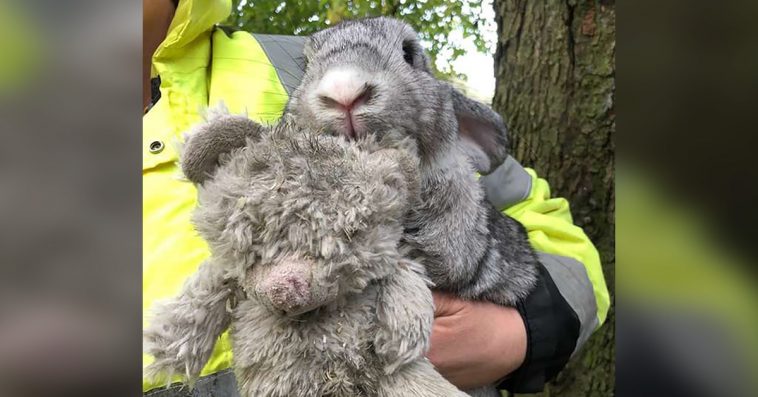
(555, 70)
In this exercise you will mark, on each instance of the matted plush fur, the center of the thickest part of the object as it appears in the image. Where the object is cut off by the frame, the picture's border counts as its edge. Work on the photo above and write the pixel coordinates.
(306, 267)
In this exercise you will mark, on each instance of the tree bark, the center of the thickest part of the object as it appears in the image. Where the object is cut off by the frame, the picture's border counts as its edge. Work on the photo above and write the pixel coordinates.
(555, 85)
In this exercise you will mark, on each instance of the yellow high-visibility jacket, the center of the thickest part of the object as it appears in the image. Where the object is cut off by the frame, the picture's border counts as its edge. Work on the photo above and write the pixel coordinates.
(200, 65)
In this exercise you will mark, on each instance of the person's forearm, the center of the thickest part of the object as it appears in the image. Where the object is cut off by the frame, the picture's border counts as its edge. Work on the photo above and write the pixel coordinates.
(156, 19)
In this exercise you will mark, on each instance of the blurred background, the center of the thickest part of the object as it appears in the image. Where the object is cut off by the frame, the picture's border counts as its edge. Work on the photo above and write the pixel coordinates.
(70, 194)
(687, 72)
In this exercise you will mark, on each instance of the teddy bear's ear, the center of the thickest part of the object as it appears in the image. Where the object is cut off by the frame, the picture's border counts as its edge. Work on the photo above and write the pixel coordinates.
(218, 135)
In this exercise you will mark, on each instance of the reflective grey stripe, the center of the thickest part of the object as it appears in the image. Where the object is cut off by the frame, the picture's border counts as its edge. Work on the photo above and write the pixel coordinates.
(509, 184)
(220, 384)
(286, 54)
(570, 277)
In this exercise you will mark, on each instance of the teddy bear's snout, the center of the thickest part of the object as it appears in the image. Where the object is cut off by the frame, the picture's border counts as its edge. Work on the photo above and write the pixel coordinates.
(288, 287)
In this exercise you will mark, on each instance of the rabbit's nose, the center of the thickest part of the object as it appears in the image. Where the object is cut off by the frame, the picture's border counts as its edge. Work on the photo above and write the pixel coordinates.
(344, 89)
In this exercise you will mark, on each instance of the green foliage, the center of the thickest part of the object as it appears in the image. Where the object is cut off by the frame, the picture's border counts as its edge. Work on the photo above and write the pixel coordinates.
(433, 19)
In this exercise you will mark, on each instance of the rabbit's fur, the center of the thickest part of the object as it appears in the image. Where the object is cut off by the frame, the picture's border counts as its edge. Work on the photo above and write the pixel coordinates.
(306, 268)
(471, 248)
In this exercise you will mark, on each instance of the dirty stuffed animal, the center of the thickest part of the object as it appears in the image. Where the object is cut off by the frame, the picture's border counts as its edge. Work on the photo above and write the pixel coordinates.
(305, 267)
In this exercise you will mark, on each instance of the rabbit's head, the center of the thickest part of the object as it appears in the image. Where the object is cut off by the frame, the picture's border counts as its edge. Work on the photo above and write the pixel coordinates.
(371, 76)
(302, 218)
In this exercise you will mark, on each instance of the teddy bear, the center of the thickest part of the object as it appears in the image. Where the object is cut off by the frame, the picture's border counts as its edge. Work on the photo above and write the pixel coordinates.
(307, 269)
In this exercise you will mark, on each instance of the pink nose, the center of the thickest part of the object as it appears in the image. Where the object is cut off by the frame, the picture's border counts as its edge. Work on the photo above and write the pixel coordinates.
(344, 89)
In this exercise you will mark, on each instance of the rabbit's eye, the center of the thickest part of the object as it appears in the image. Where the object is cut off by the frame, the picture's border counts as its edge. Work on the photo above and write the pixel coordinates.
(408, 52)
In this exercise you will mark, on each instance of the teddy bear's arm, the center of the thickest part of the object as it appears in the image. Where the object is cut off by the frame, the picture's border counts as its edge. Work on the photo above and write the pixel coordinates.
(405, 311)
(183, 330)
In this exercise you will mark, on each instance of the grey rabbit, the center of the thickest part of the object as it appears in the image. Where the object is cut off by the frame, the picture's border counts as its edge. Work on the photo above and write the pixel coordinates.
(306, 270)
(371, 76)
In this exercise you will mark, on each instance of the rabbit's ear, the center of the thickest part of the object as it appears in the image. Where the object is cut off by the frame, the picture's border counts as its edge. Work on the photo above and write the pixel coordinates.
(482, 132)
(219, 135)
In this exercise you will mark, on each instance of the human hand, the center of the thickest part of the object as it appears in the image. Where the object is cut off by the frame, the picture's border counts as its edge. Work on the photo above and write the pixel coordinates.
(475, 344)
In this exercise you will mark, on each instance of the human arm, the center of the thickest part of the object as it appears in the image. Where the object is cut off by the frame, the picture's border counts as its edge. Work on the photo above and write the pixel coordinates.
(569, 302)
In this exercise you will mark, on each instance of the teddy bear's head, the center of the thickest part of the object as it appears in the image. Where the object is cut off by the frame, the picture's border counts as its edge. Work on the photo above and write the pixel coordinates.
(300, 218)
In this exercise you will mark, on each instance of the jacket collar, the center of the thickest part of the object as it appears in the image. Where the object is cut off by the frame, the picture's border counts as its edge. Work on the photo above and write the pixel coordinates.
(192, 19)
